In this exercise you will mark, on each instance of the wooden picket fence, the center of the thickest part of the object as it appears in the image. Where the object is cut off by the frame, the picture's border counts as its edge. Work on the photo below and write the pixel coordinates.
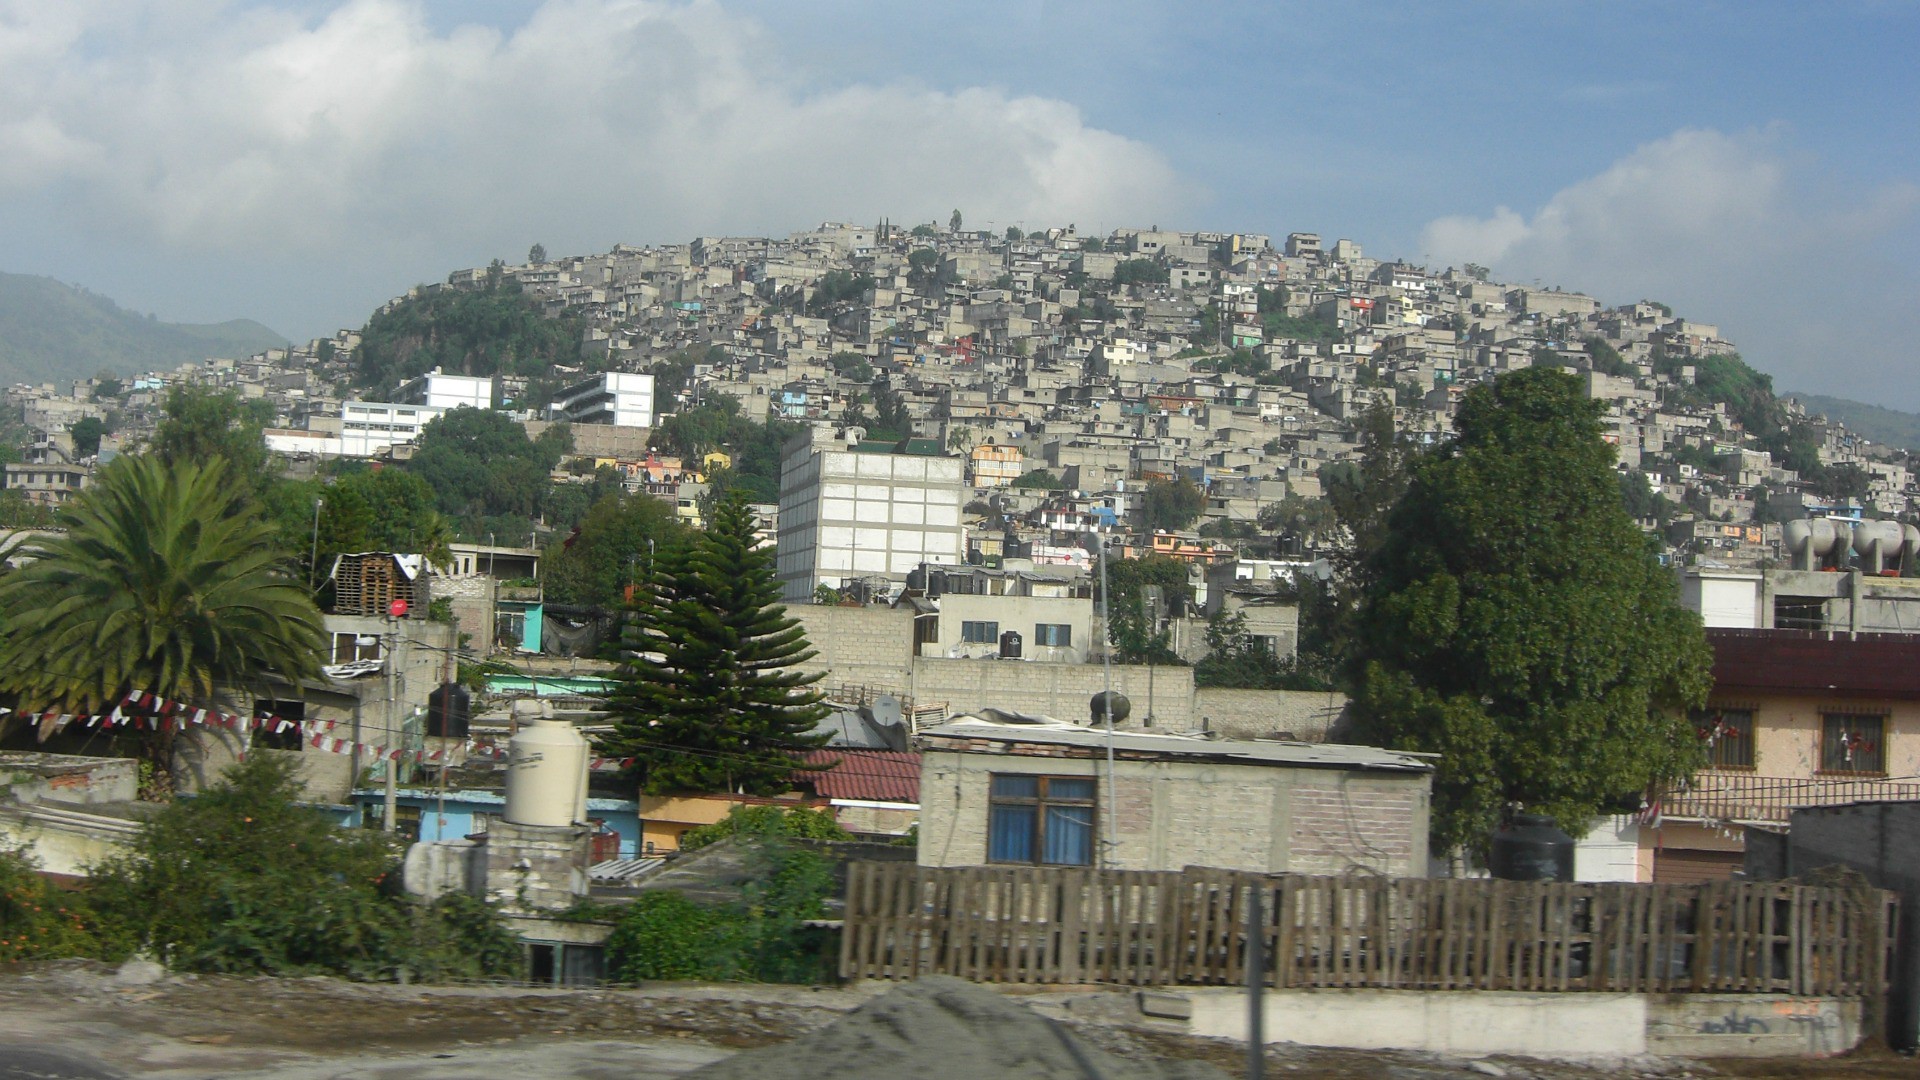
(1151, 928)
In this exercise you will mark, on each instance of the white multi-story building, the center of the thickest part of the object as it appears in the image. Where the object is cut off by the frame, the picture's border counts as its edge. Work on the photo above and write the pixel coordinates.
(620, 398)
(368, 427)
(443, 392)
(864, 513)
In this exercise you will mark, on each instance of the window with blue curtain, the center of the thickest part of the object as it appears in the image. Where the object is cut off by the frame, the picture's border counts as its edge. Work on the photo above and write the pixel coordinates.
(1044, 820)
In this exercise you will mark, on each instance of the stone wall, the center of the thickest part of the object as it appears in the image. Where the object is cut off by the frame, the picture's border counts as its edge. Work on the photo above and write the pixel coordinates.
(535, 867)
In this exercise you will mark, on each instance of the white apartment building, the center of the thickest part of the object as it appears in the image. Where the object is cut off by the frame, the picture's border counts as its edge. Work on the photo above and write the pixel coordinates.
(620, 398)
(368, 427)
(440, 391)
(852, 512)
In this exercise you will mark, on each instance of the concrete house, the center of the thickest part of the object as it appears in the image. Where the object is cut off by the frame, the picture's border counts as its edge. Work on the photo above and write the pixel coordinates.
(1009, 790)
(1798, 718)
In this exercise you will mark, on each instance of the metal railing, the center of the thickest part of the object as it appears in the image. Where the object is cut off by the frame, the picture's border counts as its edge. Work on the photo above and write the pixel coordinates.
(1744, 798)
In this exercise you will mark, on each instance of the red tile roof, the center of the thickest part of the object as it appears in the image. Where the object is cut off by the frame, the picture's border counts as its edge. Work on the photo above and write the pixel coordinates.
(870, 775)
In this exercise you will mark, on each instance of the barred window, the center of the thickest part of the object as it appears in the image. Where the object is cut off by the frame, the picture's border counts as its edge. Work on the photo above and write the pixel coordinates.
(1853, 743)
(1728, 734)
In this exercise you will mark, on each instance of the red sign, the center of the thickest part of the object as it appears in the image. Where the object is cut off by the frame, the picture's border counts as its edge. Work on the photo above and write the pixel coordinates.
(397, 609)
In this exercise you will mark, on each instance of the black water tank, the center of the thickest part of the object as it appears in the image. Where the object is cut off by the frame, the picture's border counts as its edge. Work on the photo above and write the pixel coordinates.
(1010, 645)
(1098, 705)
(936, 584)
(449, 708)
(1530, 847)
(917, 579)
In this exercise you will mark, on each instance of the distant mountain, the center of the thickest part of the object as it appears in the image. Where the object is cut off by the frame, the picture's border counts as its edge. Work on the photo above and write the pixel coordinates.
(1882, 425)
(52, 332)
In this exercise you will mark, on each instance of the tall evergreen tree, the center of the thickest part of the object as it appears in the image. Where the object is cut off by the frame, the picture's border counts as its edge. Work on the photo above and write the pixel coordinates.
(710, 697)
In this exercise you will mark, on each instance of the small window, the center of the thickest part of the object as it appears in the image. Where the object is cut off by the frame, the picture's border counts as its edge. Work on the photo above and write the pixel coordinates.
(976, 632)
(1046, 820)
(1059, 635)
(1853, 743)
(1728, 734)
(350, 647)
(270, 735)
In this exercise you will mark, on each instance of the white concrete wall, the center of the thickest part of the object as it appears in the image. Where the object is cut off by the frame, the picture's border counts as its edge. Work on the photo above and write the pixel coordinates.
(1475, 1022)
(1464, 1022)
(1609, 852)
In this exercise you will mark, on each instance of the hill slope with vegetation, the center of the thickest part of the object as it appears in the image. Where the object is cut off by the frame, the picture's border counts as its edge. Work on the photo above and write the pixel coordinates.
(1882, 425)
(52, 331)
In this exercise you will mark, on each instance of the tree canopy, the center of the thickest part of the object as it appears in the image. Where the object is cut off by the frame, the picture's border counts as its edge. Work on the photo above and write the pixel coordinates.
(1170, 505)
(495, 330)
(710, 697)
(203, 423)
(167, 580)
(486, 474)
(1517, 623)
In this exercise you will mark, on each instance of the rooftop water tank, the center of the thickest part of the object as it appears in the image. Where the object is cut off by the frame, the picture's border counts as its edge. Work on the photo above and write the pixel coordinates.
(546, 769)
(1530, 847)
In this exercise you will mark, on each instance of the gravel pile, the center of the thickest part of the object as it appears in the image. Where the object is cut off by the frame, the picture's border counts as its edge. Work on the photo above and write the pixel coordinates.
(940, 1028)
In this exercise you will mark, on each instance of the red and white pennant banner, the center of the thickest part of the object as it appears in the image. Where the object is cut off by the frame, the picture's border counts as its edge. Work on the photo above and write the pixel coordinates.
(143, 711)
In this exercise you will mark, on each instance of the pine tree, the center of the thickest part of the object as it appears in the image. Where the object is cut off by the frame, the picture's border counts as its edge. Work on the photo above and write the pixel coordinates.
(710, 696)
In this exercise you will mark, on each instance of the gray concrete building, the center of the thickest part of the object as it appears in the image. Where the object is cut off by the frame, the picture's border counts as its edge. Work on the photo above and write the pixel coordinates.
(998, 791)
(863, 515)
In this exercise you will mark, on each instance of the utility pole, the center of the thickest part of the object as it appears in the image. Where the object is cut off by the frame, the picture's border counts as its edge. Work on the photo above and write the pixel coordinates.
(393, 715)
(313, 557)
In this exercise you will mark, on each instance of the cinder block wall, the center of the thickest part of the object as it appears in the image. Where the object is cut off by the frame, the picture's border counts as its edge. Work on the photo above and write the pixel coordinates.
(1259, 714)
(1057, 690)
(859, 646)
(1170, 815)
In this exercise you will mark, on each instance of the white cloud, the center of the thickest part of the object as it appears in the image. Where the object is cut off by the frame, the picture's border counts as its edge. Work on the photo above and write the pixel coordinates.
(1730, 229)
(231, 127)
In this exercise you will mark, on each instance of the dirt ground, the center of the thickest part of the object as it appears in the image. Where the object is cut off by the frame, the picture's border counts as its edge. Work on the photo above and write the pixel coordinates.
(94, 1024)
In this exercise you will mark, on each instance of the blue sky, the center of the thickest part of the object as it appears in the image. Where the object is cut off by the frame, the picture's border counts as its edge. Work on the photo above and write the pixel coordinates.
(1753, 164)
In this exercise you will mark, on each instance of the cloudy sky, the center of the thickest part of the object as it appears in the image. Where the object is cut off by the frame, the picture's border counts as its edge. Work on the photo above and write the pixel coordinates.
(1753, 164)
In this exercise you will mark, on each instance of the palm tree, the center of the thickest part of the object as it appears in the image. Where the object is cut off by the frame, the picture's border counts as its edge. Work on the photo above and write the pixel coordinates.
(168, 580)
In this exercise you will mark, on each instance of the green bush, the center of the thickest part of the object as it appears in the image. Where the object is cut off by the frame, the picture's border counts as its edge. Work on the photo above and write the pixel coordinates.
(664, 935)
(243, 879)
(765, 820)
(37, 920)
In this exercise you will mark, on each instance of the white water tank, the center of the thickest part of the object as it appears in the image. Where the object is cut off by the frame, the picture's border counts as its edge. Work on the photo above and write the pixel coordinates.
(546, 772)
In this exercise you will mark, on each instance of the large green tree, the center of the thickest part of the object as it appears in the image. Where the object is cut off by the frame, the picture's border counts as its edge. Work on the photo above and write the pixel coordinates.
(617, 544)
(167, 580)
(1517, 623)
(711, 697)
(203, 423)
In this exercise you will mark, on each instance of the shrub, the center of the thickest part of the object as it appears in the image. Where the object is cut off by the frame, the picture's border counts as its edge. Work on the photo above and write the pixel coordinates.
(37, 920)
(243, 879)
(664, 935)
(766, 821)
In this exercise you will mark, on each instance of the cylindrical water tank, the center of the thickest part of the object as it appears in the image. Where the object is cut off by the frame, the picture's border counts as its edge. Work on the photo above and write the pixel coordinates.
(449, 709)
(1010, 645)
(1530, 847)
(547, 774)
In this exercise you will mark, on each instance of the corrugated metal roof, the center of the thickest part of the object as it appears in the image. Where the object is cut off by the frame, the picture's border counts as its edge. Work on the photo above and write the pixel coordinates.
(867, 775)
(1250, 752)
(1811, 662)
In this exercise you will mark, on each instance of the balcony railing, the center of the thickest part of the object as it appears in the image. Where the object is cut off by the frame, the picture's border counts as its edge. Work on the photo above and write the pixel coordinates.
(1742, 798)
